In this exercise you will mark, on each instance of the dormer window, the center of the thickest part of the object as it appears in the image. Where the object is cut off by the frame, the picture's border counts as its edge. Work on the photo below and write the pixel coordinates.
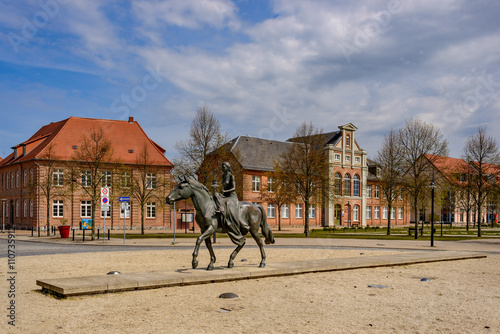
(348, 140)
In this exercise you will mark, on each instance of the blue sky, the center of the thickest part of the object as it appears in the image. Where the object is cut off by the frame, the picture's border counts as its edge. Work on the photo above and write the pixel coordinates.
(263, 67)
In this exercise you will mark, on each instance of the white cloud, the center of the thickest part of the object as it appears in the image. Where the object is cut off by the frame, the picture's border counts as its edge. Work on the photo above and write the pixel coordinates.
(193, 14)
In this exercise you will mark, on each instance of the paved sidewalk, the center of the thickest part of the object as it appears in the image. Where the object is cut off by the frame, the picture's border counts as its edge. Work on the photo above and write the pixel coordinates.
(489, 245)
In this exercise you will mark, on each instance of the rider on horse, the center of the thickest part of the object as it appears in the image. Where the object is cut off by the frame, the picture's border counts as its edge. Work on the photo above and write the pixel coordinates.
(228, 208)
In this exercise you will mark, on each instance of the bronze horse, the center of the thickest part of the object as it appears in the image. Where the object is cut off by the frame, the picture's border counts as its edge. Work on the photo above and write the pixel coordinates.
(207, 220)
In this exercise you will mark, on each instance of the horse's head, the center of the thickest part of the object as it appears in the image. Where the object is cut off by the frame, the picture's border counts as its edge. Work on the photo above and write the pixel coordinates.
(182, 191)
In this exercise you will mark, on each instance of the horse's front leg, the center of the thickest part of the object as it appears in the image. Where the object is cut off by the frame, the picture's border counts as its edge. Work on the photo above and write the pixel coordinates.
(208, 232)
(208, 243)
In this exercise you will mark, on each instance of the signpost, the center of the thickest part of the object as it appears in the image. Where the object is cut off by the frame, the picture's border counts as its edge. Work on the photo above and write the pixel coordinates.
(105, 208)
(125, 206)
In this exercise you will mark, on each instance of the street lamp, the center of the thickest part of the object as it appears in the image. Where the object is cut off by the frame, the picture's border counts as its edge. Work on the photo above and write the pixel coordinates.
(432, 209)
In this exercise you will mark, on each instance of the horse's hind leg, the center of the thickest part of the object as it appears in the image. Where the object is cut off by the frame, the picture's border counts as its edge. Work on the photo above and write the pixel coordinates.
(259, 242)
(230, 264)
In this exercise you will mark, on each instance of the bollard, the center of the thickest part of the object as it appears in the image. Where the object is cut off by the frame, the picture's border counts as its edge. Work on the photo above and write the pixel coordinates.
(32, 230)
(73, 235)
(39, 231)
(108, 233)
(83, 236)
(98, 234)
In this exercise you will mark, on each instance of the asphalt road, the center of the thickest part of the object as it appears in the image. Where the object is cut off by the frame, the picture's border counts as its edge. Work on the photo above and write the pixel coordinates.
(26, 248)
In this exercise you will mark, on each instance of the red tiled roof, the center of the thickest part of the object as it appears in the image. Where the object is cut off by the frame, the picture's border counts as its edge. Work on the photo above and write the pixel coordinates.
(448, 166)
(66, 134)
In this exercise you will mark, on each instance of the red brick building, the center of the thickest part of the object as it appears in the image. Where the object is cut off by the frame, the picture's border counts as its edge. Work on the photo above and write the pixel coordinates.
(349, 172)
(21, 174)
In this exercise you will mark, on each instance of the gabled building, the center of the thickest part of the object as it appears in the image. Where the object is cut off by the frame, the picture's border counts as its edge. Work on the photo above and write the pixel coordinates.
(348, 171)
(455, 178)
(52, 148)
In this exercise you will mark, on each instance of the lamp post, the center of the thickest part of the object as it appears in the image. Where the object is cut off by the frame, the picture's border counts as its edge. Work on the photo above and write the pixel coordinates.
(432, 209)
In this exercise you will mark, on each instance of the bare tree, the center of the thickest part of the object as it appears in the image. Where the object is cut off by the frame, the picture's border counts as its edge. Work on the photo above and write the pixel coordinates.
(305, 166)
(94, 152)
(390, 172)
(278, 191)
(205, 136)
(146, 182)
(50, 182)
(421, 144)
(481, 152)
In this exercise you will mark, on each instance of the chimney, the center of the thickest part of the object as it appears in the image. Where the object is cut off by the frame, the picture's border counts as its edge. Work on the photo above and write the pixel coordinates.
(131, 120)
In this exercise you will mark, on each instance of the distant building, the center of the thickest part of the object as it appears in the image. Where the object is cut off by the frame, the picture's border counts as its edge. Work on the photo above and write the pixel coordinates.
(24, 204)
(348, 168)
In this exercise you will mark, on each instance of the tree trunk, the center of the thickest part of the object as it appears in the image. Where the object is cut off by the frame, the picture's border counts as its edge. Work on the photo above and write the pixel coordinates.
(279, 218)
(142, 219)
(389, 221)
(478, 218)
(48, 214)
(417, 216)
(306, 212)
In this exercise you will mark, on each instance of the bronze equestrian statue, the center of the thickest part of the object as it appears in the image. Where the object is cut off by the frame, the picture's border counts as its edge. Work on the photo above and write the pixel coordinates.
(223, 214)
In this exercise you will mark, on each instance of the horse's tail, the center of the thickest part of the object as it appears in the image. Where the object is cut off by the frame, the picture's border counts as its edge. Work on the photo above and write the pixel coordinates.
(266, 231)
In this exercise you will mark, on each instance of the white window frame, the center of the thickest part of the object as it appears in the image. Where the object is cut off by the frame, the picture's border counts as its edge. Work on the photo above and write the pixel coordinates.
(31, 208)
(127, 213)
(400, 213)
(7, 181)
(25, 178)
(108, 213)
(298, 210)
(357, 160)
(376, 213)
(17, 208)
(368, 212)
(255, 183)
(271, 211)
(125, 180)
(271, 184)
(151, 210)
(347, 158)
(86, 209)
(25, 208)
(17, 179)
(369, 191)
(384, 212)
(86, 178)
(106, 179)
(58, 177)
(58, 208)
(285, 211)
(376, 192)
(355, 213)
(393, 213)
(337, 156)
(151, 181)
(312, 211)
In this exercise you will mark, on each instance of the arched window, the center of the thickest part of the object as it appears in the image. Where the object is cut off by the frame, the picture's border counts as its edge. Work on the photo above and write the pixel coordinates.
(347, 185)
(355, 213)
(356, 185)
(338, 184)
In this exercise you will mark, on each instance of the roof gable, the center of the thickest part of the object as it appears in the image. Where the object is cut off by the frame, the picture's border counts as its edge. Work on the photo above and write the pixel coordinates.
(127, 137)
